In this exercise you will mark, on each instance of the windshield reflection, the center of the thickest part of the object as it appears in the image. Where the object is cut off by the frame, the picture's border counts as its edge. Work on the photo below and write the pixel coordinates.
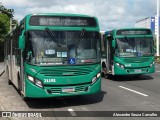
(133, 47)
(42, 48)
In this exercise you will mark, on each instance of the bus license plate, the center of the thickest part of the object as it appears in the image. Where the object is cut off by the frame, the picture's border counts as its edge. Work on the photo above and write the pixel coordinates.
(138, 71)
(68, 90)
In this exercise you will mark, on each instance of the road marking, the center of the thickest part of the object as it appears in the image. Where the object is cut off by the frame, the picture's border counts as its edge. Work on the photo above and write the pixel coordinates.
(72, 112)
(133, 91)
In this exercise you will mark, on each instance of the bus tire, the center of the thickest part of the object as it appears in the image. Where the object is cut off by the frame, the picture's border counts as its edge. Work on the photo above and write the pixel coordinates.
(102, 74)
(137, 76)
(19, 83)
(24, 98)
(107, 76)
(9, 81)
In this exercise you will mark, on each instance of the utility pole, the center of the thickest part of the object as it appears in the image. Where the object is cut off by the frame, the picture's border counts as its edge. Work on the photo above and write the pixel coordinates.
(157, 27)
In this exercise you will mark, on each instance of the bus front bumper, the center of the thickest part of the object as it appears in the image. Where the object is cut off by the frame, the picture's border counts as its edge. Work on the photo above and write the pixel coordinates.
(125, 71)
(33, 91)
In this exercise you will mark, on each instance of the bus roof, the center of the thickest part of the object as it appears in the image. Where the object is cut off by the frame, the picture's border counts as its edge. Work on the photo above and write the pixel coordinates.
(56, 14)
(114, 30)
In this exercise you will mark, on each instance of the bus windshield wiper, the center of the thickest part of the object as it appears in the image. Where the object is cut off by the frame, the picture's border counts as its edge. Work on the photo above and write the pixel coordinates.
(53, 37)
(130, 42)
(80, 36)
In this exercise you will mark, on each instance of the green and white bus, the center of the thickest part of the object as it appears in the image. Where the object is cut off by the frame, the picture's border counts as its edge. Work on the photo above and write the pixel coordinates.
(53, 55)
(128, 51)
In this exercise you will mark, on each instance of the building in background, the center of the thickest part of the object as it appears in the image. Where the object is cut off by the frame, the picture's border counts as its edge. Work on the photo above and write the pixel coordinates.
(149, 22)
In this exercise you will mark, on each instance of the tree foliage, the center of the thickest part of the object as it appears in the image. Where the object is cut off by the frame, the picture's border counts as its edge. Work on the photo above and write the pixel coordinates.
(4, 25)
(5, 15)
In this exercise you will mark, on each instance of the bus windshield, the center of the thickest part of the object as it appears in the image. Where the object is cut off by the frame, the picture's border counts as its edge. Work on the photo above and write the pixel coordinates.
(47, 47)
(133, 47)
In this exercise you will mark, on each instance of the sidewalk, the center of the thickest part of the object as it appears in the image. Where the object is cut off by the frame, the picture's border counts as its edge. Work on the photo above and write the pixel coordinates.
(1, 68)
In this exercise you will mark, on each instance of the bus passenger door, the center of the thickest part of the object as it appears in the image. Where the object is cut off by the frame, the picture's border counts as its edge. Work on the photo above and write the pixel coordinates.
(109, 54)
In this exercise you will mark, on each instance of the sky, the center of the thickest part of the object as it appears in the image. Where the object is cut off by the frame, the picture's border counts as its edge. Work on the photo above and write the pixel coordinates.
(110, 13)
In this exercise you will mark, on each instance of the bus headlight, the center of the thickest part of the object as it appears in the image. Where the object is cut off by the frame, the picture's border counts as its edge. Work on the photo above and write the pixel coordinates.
(39, 83)
(94, 79)
(98, 75)
(30, 78)
(120, 65)
(151, 64)
(35, 81)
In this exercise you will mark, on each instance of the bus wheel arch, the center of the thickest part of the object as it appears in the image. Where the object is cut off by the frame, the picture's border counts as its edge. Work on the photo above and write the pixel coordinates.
(104, 69)
(25, 98)
(20, 88)
(19, 82)
(108, 76)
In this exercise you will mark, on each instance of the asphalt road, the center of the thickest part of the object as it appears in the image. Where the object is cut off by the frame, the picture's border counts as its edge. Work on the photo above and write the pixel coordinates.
(120, 93)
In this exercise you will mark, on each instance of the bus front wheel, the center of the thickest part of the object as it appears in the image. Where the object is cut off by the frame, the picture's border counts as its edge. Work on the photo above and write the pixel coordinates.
(24, 98)
(137, 76)
(107, 76)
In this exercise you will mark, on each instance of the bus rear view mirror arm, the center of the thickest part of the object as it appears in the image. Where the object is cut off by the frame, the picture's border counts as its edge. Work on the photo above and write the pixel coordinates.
(21, 42)
(113, 43)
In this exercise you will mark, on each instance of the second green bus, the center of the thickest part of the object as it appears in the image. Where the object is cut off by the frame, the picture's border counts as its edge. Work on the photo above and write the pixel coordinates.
(127, 51)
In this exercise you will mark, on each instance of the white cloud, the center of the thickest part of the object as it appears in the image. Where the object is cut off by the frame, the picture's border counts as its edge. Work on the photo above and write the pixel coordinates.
(14, 3)
(81, 9)
(110, 13)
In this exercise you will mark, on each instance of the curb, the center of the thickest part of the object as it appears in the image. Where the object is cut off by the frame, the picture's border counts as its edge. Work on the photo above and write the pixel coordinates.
(1, 73)
(2, 70)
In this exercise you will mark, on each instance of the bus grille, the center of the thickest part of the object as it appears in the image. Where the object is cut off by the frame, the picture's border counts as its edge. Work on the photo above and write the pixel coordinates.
(80, 88)
(136, 60)
(58, 90)
(65, 72)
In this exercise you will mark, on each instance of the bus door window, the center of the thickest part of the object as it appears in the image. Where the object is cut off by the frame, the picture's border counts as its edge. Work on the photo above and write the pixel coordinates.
(110, 52)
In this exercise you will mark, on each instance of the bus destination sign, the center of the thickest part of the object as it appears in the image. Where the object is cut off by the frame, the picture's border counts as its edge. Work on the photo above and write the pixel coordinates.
(134, 32)
(62, 21)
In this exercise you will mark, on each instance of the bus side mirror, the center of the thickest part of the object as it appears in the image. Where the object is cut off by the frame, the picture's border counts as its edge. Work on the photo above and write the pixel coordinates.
(113, 43)
(21, 42)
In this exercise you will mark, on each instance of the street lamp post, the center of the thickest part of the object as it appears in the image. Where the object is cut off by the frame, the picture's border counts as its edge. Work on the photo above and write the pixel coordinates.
(157, 27)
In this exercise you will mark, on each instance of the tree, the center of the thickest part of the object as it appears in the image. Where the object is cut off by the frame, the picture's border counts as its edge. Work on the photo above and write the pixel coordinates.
(5, 16)
(4, 26)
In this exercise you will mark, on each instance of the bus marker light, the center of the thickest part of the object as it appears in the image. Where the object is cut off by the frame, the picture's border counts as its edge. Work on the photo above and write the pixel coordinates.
(151, 64)
(122, 66)
(30, 78)
(98, 75)
(94, 79)
(117, 64)
(38, 83)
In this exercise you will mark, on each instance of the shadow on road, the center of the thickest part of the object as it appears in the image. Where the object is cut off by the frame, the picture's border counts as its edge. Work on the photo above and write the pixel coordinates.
(65, 101)
(120, 78)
